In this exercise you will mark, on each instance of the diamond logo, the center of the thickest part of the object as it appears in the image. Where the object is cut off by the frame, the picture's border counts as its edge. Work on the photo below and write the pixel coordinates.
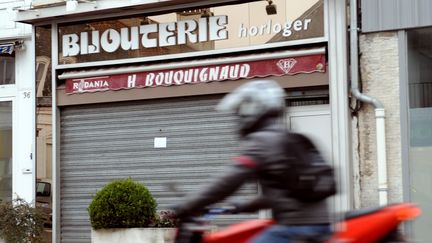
(286, 64)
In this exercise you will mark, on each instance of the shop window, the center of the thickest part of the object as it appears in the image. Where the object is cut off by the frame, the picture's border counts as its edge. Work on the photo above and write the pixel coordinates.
(7, 69)
(420, 73)
(307, 97)
(43, 123)
(42, 65)
(420, 120)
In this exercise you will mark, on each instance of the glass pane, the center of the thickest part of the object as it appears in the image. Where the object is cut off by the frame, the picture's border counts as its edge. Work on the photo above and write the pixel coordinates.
(7, 70)
(420, 99)
(6, 150)
(43, 66)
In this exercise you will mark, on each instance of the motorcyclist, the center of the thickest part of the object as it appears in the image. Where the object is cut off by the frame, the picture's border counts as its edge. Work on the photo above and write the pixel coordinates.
(260, 107)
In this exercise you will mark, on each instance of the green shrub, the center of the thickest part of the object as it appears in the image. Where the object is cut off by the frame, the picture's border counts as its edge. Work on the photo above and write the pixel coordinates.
(21, 222)
(123, 204)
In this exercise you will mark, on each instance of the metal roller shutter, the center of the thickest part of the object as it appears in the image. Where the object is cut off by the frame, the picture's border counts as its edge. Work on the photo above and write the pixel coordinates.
(100, 143)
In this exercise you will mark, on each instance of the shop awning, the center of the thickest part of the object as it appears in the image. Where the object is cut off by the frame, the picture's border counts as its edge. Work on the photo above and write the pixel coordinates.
(196, 71)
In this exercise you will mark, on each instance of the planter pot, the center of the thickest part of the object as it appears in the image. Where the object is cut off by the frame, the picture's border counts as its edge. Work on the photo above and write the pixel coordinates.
(134, 235)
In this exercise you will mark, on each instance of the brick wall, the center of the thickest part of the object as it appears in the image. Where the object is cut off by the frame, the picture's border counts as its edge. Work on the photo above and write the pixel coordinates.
(379, 72)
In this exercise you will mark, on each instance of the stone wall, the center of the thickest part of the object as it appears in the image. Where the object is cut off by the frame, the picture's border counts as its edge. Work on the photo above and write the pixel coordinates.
(379, 77)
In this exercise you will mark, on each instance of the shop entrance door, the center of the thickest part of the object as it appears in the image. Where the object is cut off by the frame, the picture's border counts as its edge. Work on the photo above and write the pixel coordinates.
(5, 150)
(420, 129)
(315, 122)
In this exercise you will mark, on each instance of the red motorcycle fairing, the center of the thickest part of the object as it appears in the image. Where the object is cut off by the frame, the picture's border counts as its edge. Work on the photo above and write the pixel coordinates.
(369, 227)
(376, 225)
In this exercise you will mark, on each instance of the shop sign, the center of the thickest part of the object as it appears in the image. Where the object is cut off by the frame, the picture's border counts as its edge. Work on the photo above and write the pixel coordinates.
(199, 74)
(7, 48)
(146, 36)
(218, 29)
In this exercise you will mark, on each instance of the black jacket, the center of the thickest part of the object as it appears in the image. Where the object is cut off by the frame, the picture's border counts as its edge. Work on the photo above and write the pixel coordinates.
(263, 154)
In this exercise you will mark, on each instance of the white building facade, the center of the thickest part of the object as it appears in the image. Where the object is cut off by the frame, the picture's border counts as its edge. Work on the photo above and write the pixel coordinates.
(380, 147)
(394, 69)
(17, 106)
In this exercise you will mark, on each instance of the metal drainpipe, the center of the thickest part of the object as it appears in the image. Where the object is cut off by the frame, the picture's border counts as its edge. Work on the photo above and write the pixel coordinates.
(379, 108)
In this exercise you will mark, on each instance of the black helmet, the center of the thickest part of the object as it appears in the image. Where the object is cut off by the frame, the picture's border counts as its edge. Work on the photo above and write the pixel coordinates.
(254, 102)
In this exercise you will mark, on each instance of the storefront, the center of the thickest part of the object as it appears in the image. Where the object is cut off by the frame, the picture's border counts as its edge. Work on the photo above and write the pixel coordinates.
(135, 94)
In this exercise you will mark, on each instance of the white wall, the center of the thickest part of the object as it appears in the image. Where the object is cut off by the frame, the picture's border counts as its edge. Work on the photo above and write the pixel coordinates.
(8, 28)
(23, 98)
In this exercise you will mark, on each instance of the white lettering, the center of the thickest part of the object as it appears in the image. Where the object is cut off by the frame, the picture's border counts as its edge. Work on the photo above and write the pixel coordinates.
(277, 28)
(110, 40)
(242, 31)
(298, 25)
(253, 31)
(203, 75)
(84, 42)
(168, 80)
(178, 77)
(131, 80)
(217, 27)
(269, 24)
(145, 30)
(128, 42)
(224, 72)
(196, 73)
(81, 85)
(168, 77)
(185, 29)
(244, 70)
(188, 76)
(214, 73)
(234, 71)
(287, 30)
(270, 27)
(95, 84)
(265, 28)
(94, 47)
(203, 30)
(306, 23)
(149, 79)
(159, 78)
(148, 36)
(90, 85)
(166, 34)
(70, 45)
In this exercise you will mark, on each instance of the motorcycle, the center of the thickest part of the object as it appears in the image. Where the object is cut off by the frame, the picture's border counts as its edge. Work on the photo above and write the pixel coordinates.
(360, 226)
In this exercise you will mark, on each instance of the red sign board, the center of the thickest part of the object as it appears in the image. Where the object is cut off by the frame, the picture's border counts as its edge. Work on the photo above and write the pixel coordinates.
(199, 74)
